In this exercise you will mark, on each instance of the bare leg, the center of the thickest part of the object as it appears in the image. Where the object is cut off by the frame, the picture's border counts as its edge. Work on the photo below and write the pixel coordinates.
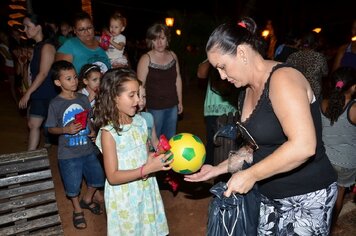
(337, 209)
(76, 205)
(88, 196)
(98, 197)
(34, 124)
(79, 214)
(88, 200)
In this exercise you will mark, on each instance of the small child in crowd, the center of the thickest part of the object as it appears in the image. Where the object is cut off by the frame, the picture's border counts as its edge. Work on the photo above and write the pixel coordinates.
(168, 177)
(89, 80)
(339, 134)
(152, 136)
(116, 48)
(76, 155)
(133, 202)
(66, 32)
(89, 77)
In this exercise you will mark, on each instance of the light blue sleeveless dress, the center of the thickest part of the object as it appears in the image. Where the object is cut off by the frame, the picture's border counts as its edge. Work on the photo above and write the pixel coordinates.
(134, 208)
(149, 121)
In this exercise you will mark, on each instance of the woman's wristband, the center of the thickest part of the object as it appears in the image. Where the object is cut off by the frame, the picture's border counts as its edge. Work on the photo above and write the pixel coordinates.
(143, 177)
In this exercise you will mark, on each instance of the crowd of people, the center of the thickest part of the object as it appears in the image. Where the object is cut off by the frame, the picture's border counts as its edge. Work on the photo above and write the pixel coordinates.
(81, 89)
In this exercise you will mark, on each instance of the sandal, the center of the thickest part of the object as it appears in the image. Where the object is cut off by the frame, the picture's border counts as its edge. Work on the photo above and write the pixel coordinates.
(79, 220)
(92, 206)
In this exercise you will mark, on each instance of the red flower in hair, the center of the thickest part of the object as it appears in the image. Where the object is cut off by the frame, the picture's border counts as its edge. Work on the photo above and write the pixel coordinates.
(242, 24)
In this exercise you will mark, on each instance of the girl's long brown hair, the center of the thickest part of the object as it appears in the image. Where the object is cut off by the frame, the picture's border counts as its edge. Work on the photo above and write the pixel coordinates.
(112, 85)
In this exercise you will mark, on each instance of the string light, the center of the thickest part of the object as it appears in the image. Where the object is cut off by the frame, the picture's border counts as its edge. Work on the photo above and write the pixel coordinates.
(170, 21)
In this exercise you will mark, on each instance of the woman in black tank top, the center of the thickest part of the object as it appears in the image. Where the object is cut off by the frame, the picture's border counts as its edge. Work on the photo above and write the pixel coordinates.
(279, 113)
(159, 72)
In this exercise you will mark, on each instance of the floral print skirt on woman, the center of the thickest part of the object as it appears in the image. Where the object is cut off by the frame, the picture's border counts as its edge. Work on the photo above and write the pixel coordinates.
(306, 214)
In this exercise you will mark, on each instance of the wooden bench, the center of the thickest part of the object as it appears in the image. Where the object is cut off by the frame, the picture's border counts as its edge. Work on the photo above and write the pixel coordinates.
(27, 198)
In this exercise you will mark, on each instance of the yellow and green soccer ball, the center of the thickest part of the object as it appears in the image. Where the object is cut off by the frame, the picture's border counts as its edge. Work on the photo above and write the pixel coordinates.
(188, 153)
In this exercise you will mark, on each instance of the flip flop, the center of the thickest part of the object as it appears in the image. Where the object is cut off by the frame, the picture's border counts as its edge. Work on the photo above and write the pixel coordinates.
(79, 220)
(95, 209)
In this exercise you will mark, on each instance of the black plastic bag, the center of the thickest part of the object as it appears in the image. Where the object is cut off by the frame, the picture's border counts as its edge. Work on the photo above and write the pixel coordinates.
(237, 215)
(225, 137)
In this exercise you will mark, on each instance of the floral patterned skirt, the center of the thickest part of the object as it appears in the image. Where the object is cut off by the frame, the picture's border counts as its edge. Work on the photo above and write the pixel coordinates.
(307, 214)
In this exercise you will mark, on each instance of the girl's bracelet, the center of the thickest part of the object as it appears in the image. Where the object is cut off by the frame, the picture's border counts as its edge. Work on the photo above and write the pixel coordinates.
(143, 177)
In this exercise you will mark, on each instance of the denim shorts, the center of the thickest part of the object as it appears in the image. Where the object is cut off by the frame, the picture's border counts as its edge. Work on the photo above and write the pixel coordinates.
(39, 108)
(345, 176)
(72, 171)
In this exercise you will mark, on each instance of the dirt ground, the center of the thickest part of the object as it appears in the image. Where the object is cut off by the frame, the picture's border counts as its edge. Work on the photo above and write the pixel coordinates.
(186, 212)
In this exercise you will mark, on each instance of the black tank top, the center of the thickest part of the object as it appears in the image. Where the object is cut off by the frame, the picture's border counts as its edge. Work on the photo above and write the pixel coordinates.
(161, 89)
(47, 89)
(315, 174)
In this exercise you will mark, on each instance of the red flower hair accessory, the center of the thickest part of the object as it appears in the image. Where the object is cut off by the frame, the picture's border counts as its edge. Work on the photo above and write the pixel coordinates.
(339, 84)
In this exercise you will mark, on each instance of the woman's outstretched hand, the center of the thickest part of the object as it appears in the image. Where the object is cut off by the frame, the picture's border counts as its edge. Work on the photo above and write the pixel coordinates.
(206, 172)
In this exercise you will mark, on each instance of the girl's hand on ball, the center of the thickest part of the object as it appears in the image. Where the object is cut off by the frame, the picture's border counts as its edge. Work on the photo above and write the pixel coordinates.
(167, 159)
(158, 163)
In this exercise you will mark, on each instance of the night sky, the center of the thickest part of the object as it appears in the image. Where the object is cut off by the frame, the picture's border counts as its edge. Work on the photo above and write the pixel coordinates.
(299, 15)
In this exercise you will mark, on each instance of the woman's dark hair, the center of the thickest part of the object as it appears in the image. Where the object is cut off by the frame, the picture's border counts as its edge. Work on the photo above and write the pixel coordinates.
(111, 86)
(81, 15)
(228, 36)
(342, 79)
(49, 36)
(59, 66)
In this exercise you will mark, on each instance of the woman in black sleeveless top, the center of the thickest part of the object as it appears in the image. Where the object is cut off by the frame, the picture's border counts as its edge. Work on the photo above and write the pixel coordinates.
(158, 69)
(42, 89)
(282, 128)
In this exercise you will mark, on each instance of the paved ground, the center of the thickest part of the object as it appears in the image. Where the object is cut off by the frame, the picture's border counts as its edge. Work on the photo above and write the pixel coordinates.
(186, 212)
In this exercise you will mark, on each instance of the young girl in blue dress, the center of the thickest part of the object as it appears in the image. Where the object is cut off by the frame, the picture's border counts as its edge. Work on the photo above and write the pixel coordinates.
(133, 202)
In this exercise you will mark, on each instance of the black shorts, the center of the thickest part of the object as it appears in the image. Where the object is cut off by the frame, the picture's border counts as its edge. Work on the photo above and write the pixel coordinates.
(39, 108)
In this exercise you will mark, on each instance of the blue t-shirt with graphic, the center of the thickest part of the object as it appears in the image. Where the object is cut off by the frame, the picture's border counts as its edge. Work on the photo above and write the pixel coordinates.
(61, 113)
(83, 55)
